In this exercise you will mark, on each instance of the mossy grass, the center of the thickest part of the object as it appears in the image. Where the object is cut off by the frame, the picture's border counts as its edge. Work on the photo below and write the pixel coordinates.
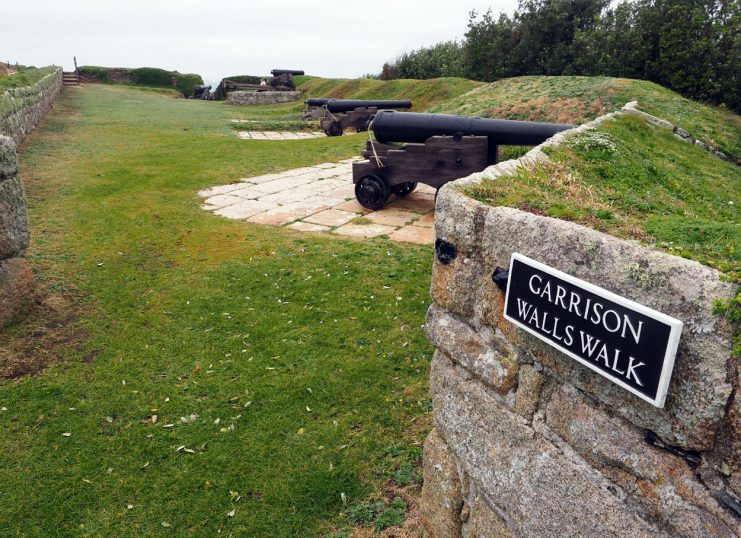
(279, 365)
(27, 76)
(638, 181)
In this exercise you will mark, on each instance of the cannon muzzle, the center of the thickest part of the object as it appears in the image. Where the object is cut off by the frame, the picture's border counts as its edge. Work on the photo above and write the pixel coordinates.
(392, 126)
(346, 105)
(317, 101)
(277, 72)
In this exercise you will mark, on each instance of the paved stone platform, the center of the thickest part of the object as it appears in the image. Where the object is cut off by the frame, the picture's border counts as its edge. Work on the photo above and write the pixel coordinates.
(278, 135)
(321, 198)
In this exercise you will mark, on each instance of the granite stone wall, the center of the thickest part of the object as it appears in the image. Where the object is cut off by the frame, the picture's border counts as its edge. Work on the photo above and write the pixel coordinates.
(527, 442)
(261, 98)
(21, 109)
(16, 279)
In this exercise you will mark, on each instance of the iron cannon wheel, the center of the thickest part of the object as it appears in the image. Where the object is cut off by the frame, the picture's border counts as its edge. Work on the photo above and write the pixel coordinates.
(403, 189)
(334, 130)
(371, 192)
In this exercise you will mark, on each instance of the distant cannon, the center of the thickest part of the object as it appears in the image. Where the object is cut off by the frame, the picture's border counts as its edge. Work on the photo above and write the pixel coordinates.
(283, 78)
(336, 115)
(202, 91)
(437, 148)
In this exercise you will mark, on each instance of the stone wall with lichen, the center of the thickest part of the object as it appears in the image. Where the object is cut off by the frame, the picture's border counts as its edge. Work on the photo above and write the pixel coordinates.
(16, 279)
(528, 442)
(21, 109)
(261, 98)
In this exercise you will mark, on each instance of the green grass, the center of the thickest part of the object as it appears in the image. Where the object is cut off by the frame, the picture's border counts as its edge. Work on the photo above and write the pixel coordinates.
(303, 357)
(635, 180)
(25, 77)
(424, 93)
(580, 99)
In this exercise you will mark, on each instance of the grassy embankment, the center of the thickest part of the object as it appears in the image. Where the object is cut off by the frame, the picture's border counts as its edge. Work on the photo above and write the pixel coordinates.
(24, 77)
(213, 365)
(628, 178)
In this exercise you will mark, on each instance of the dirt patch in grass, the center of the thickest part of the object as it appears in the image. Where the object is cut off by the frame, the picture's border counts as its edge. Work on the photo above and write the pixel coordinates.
(44, 337)
(559, 110)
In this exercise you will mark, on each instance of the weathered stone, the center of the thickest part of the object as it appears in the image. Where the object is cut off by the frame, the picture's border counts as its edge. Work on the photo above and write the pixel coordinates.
(529, 385)
(661, 481)
(13, 218)
(699, 391)
(21, 109)
(261, 98)
(441, 501)
(485, 522)
(543, 491)
(16, 289)
(495, 366)
(8, 159)
(451, 284)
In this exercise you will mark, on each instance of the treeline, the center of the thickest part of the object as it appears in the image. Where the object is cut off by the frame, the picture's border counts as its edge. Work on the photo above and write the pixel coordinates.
(690, 46)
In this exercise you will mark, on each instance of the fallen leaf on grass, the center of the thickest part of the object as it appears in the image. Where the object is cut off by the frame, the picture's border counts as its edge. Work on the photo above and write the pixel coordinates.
(67, 434)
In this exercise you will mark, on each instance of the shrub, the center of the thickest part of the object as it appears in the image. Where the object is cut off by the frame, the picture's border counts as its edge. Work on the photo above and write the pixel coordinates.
(245, 79)
(152, 76)
(186, 83)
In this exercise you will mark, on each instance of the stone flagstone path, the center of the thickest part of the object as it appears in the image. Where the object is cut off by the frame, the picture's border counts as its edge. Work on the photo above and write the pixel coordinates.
(278, 135)
(321, 198)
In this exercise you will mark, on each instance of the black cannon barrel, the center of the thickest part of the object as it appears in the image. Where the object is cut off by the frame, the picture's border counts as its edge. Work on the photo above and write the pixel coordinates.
(317, 101)
(276, 72)
(392, 126)
(345, 105)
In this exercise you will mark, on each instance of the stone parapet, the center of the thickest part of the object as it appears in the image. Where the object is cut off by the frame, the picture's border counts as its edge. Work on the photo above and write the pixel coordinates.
(21, 109)
(537, 443)
(261, 98)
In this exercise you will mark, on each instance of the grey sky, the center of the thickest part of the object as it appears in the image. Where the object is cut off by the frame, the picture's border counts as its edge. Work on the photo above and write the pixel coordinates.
(217, 38)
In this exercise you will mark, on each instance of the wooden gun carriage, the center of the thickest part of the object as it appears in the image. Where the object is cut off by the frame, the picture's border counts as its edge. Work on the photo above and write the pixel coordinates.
(337, 115)
(436, 149)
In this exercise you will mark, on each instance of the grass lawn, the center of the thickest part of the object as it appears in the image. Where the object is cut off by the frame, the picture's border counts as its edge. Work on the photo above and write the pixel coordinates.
(219, 376)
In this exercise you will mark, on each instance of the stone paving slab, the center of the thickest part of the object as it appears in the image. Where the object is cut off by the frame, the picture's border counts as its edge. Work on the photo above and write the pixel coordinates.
(321, 198)
(278, 135)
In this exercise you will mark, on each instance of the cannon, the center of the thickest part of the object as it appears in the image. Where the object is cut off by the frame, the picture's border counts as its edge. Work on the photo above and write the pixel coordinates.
(283, 78)
(202, 91)
(411, 148)
(336, 115)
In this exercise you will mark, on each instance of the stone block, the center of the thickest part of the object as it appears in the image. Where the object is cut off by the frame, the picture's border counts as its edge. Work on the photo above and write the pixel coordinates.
(494, 362)
(16, 289)
(684, 289)
(541, 488)
(484, 522)
(13, 218)
(442, 501)
(8, 159)
(660, 481)
(529, 386)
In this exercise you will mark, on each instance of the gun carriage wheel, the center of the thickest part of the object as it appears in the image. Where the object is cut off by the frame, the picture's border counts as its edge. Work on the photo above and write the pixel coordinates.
(334, 130)
(371, 192)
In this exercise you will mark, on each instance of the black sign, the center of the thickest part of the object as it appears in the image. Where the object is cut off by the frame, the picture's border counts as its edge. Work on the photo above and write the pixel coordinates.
(628, 343)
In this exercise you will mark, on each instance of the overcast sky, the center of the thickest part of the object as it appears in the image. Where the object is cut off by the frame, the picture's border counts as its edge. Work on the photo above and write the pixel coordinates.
(217, 38)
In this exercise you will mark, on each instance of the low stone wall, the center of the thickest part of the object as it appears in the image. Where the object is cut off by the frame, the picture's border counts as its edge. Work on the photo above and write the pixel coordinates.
(528, 442)
(261, 98)
(16, 279)
(21, 109)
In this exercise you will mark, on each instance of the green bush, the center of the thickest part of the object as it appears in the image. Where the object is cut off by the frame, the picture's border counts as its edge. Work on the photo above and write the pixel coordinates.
(245, 79)
(187, 82)
(95, 72)
(152, 76)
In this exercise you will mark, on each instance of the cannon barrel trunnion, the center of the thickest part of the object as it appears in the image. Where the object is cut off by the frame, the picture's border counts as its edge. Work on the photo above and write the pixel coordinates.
(434, 149)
